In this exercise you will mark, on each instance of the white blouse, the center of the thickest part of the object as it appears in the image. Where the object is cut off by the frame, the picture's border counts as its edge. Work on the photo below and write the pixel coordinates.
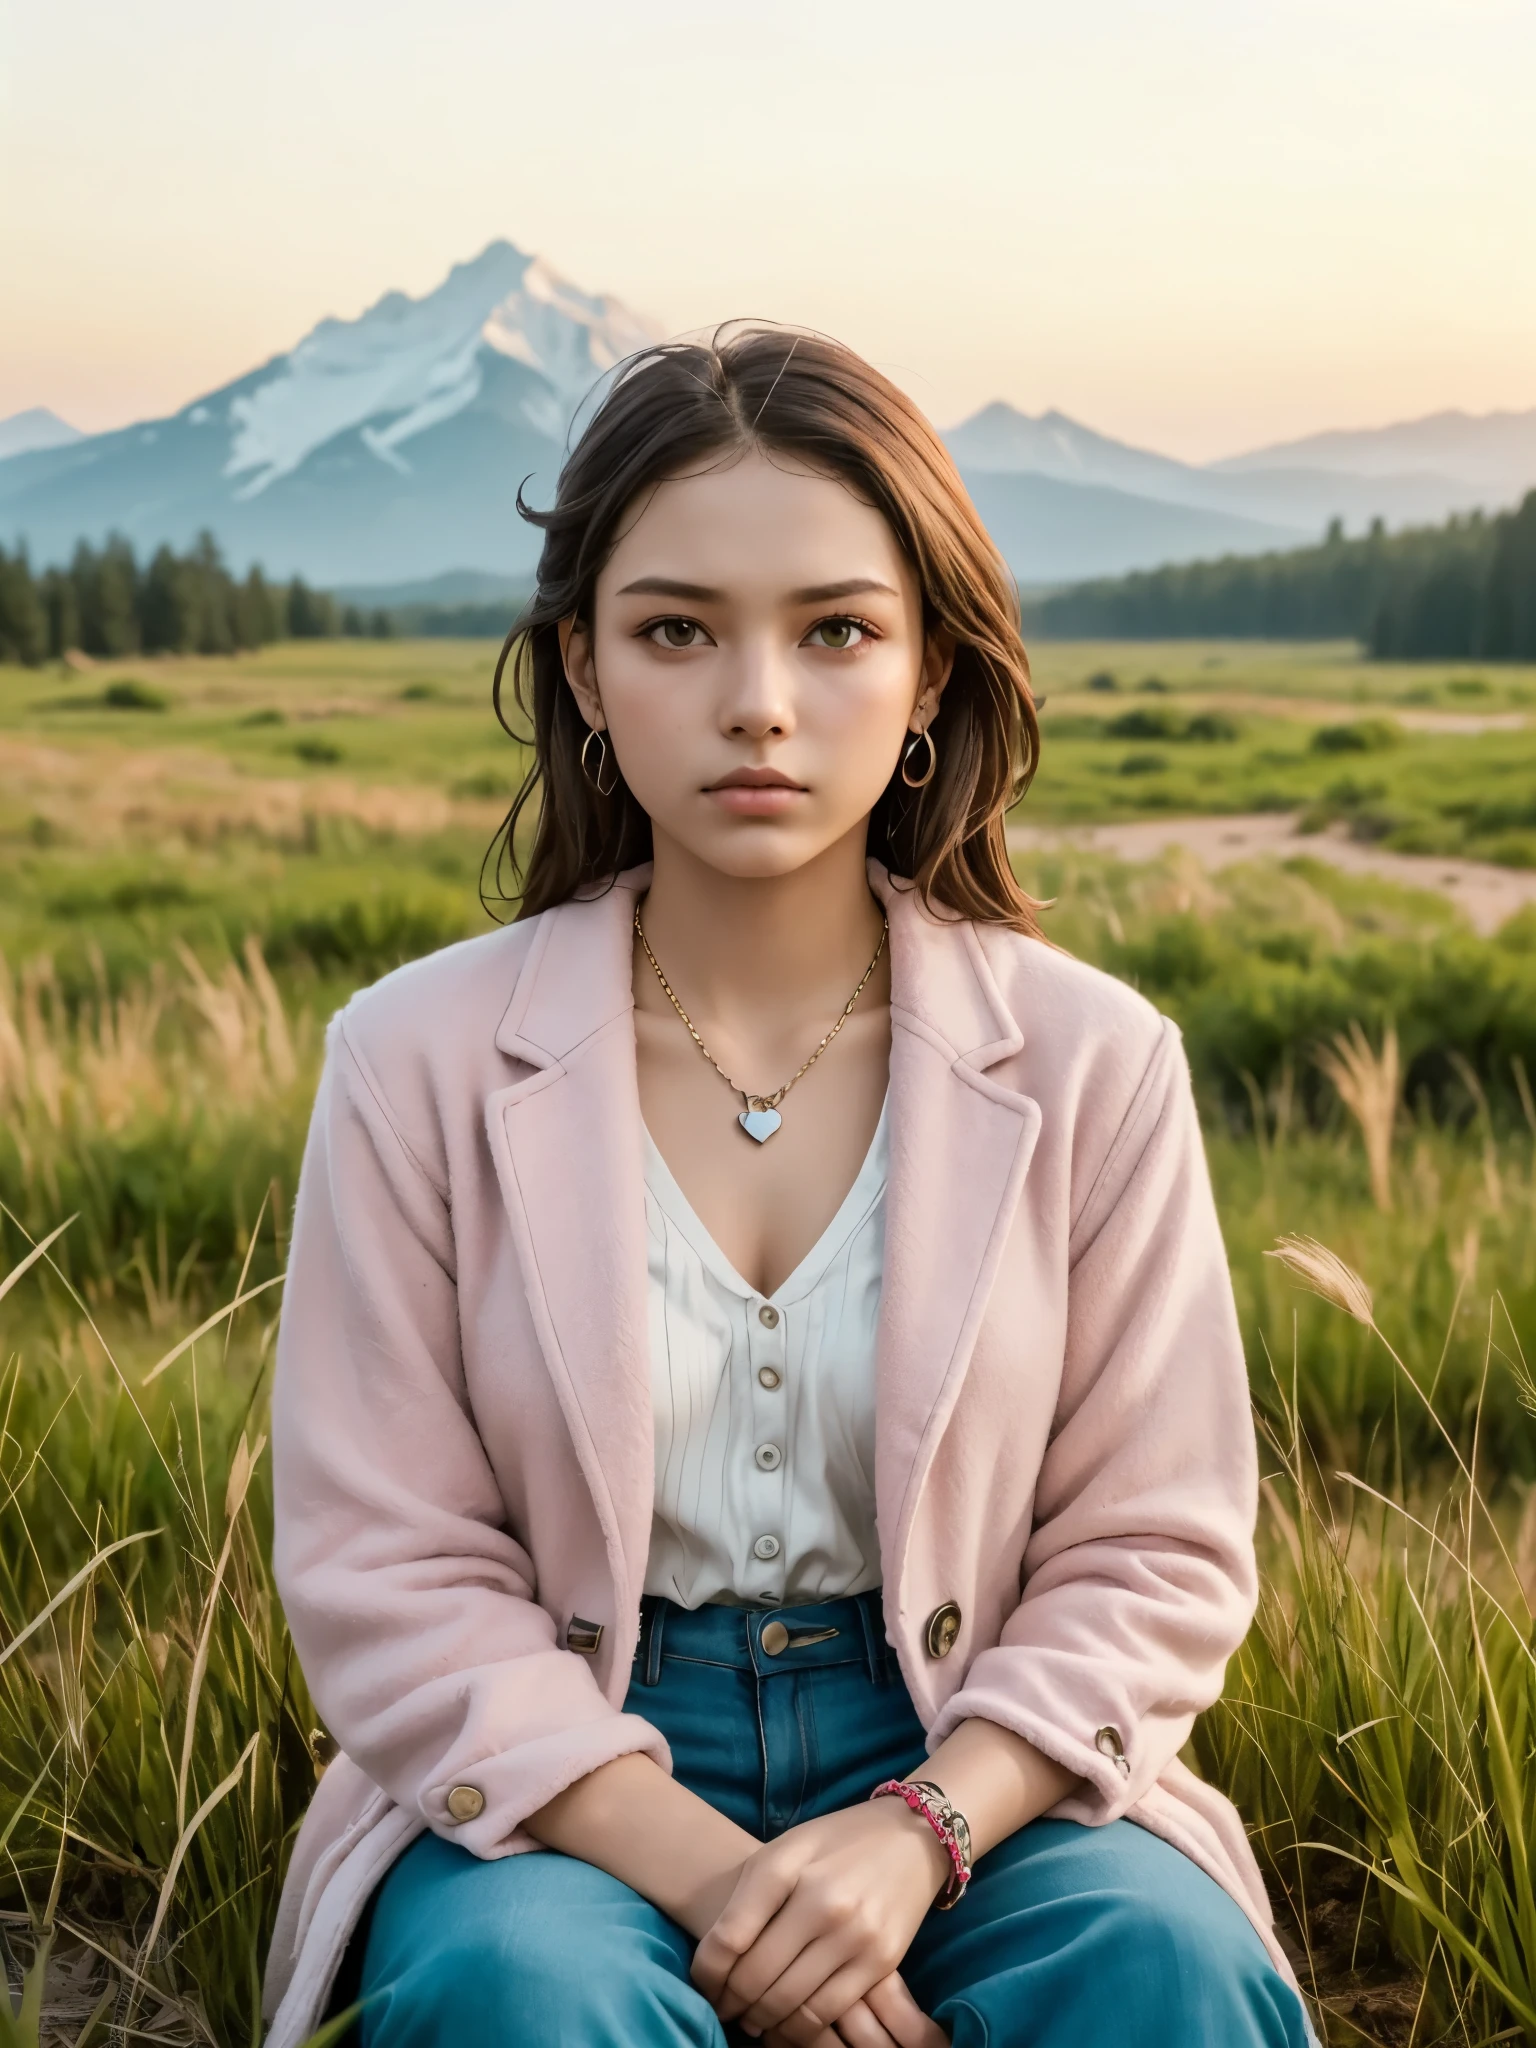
(764, 1406)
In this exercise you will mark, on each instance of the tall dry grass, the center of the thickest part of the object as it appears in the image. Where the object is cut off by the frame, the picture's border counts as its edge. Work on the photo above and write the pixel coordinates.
(1378, 1724)
(162, 1116)
(1369, 1082)
(154, 1727)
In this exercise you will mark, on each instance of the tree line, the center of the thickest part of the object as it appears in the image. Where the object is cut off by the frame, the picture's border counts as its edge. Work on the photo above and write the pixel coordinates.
(105, 603)
(1467, 588)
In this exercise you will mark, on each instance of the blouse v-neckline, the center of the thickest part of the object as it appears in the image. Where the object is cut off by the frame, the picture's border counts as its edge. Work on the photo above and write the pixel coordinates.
(868, 1186)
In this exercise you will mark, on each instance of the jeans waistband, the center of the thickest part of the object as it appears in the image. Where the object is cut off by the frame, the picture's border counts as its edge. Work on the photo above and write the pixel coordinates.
(800, 1638)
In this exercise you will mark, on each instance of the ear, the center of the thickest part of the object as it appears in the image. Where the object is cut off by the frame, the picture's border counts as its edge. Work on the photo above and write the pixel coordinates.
(581, 670)
(938, 662)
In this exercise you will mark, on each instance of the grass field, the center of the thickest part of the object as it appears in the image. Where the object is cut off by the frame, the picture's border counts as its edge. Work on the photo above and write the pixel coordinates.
(196, 873)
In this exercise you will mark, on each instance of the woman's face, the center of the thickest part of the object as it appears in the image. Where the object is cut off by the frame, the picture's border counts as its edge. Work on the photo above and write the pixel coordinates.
(757, 661)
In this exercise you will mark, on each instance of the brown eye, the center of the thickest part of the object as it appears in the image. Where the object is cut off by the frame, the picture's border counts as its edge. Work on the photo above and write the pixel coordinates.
(837, 634)
(677, 633)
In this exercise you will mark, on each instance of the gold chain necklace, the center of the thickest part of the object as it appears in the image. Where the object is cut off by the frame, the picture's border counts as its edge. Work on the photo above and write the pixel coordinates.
(760, 1119)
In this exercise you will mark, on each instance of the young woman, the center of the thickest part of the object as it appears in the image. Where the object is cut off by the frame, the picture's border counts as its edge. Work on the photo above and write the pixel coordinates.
(760, 1417)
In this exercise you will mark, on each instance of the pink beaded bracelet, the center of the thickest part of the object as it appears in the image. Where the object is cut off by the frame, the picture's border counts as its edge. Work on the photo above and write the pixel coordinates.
(947, 1822)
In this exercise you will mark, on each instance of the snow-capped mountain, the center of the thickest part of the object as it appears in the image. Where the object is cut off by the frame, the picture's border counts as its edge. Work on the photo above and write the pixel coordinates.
(407, 365)
(388, 446)
(389, 450)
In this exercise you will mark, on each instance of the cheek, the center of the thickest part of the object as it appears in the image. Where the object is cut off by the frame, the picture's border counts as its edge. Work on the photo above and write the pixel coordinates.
(864, 710)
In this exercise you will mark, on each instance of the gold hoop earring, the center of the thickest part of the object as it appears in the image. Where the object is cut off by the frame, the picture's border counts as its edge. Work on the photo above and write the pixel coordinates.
(920, 781)
(596, 780)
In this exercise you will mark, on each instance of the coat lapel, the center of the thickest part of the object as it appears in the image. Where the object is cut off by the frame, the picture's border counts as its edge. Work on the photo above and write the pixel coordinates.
(567, 1145)
(961, 1144)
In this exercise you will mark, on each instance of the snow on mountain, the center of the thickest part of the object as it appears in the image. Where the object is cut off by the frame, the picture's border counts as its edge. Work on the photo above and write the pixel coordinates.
(36, 428)
(406, 365)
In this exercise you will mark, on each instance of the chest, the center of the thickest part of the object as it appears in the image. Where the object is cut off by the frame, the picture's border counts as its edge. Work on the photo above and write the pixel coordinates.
(764, 1205)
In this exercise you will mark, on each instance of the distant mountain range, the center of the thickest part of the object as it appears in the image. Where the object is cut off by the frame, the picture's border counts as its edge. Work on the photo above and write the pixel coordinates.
(388, 450)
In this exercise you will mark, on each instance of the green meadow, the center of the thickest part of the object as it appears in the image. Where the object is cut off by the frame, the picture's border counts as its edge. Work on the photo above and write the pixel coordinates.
(201, 858)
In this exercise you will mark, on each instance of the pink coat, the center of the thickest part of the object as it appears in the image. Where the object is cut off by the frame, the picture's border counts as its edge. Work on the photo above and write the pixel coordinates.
(462, 1418)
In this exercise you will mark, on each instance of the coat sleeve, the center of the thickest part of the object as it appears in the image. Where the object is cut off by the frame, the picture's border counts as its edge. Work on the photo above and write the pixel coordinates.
(1139, 1578)
(413, 1608)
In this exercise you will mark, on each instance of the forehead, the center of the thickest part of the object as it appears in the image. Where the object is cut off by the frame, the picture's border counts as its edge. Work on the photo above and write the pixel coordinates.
(755, 523)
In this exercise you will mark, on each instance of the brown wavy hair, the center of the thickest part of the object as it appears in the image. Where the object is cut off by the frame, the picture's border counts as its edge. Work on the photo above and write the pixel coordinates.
(675, 408)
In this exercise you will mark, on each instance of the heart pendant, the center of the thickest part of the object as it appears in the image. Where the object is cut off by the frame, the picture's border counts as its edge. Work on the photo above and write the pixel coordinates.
(759, 1123)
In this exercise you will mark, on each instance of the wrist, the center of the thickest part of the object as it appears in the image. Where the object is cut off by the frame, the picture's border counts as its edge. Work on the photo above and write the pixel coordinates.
(913, 1829)
(702, 1895)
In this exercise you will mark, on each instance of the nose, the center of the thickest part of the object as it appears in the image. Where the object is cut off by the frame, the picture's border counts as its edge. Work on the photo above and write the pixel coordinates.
(758, 701)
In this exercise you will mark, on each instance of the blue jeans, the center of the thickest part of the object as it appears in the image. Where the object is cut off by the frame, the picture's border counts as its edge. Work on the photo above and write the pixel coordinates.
(1069, 1937)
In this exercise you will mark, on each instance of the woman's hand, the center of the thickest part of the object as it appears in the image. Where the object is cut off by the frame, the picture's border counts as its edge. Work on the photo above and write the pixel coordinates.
(816, 1925)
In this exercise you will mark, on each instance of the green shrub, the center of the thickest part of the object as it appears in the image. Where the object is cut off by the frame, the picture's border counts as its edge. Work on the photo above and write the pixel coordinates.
(131, 695)
(1145, 723)
(1212, 726)
(1363, 736)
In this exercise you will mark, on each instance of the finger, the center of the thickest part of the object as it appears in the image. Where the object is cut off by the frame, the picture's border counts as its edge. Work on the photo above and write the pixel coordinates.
(807, 2035)
(901, 2015)
(821, 1983)
(808, 1970)
(760, 1891)
(859, 2028)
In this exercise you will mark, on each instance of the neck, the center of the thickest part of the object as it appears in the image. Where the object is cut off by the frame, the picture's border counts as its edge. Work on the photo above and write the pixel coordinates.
(776, 942)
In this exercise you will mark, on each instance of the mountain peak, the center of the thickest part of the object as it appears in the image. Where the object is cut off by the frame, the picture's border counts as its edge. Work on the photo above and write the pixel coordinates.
(408, 364)
(35, 428)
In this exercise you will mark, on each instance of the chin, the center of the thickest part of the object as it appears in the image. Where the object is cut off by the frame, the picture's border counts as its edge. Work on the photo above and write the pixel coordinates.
(757, 856)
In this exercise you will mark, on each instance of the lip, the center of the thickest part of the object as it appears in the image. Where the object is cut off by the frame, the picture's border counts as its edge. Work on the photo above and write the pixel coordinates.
(757, 778)
(756, 792)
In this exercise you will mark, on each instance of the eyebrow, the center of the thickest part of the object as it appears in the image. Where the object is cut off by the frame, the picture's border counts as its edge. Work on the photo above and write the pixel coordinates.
(701, 593)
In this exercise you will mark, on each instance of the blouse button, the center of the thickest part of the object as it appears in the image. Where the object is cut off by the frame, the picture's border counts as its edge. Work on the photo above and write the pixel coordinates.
(768, 1377)
(766, 1548)
(768, 1457)
(768, 1316)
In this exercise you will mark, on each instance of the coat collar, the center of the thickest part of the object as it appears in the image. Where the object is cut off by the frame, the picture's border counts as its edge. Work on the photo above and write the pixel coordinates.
(567, 1144)
(577, 977)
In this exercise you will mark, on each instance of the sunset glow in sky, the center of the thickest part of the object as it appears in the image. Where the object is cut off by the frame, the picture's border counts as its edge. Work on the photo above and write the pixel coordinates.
(1199, 225)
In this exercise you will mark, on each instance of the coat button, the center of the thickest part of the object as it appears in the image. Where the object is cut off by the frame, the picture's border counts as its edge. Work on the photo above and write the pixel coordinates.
(1108, 1743)
(465, 1803)
(767, 1377)
(768, 1316)
(766, 1548)
(943, 1630)
(774, 1638)
(768, 1457)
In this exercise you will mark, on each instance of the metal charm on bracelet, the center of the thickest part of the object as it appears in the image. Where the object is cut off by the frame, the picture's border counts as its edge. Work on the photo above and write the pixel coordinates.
(928, 1801)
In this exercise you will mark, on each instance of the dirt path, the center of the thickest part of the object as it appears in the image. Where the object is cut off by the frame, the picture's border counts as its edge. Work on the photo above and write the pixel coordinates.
(1487, 894)
(1304, 710)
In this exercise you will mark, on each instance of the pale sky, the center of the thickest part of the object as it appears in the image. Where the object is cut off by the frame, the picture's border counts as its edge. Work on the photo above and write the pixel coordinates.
(1199, 225)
